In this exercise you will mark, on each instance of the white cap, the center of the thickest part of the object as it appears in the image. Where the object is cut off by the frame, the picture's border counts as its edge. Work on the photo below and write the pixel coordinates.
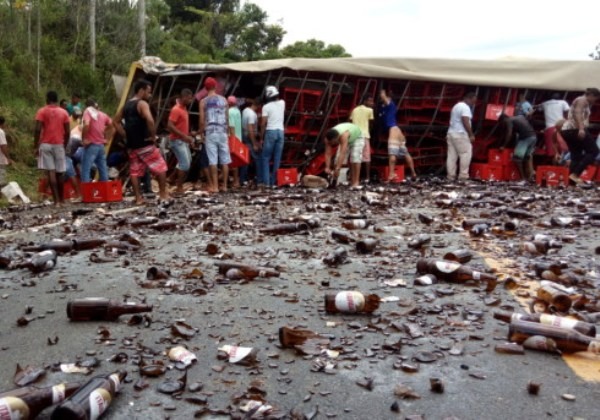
(271, 91)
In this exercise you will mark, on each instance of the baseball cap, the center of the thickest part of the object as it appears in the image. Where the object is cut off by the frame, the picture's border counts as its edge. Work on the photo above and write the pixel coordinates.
(232, 100)
(271, 91)
(210, 83)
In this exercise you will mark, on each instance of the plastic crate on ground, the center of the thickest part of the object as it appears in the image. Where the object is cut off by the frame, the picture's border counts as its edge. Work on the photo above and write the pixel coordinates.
(500, 156)
(287, 176)
(511, 172)
(589, 173)
(552, 176)
(384, 173)
(68, 191)
(101, 192)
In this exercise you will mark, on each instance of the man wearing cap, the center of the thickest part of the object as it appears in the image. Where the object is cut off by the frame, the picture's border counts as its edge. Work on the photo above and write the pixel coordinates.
(180, 137)
(214, 124)
(350, 139)
(235, 129)
(271, 124)
(97, 127)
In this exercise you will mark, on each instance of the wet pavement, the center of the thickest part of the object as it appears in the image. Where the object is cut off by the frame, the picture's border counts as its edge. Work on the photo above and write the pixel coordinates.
(445, 330)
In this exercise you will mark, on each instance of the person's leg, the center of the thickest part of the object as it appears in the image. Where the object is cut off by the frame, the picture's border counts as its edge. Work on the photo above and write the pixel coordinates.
(451, 158)
(135, 183)
(136, 170)
(100, 161)
(519, 157)
(162, 185)
(153, 159)
(224, 158)
(213, 178)
(52, 182)
(575, 151)
(86, 163)
(212, 151)
(356, 157)
(267, 153)
(60, 186)
(410, 164)
(182, 153)
(70, 174)
(60, 164)
(589, 151)
(366, 159)
(464, 150)
(391, 167)
(277, 153)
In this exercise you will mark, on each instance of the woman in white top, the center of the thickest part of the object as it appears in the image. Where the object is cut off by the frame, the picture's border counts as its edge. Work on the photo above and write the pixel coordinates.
(271, 124)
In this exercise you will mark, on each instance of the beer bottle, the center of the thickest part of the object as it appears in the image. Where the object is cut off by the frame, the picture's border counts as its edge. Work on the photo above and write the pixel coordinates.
(341, 237)
(284, 228)
(419, 241)
(42, 261)
(584, 328)
(102, 309)
(249, 271)
(555, 297)
(356, 224)
(366, 246)
(87, 243)
(519, 214)
(566, 341)
(290, 337)
(455, 272)
(468, 224)
(91, 400)
(351, 302)
(479, 229)
(26, 403)
(58, 245)
(564, 222)
(337, 257)
(462, 256)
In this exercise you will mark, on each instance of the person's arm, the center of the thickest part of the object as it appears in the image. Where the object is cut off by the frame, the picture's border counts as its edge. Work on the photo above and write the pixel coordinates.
(467, 124)
(36, 134)
(508, 133)
(109, 131)
(263, 126)
(328, 153)
(4, 149)
(578, 107)
(201, 118)
(342, 152)
(555, 135)
(144, 110)
(85, 130)
(117, 124)
(67, 133)
(252, 135)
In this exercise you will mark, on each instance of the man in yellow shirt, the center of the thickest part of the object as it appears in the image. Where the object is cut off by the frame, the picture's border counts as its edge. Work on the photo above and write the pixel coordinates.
(362, 116)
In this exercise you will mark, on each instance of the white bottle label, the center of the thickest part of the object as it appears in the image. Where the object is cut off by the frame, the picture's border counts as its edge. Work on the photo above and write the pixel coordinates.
(539, 342)
(58, 393)
(476, 275)
(350, 302)
(12, 408)
(594, 347)
(99, 401)
(557, 321)
(236, 354)
(116, 382)
(183, 355)
(447, 266)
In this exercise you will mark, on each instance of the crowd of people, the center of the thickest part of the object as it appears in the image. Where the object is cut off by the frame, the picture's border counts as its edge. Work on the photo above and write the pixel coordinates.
(70, 139)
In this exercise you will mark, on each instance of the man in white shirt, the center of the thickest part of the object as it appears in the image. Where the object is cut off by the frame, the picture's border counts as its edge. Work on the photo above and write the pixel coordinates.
(271, 124)
(460, 138)
(555, 110)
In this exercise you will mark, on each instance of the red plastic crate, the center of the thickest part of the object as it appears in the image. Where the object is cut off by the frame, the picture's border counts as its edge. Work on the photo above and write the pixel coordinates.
(384, 173)
(288, 176)
(511, 172)
(316, 166)
(493, 111)
(589, 173)
(552, 175)
(500, 156)
(492, 172)
(68, 191)
(101, 192)
(240, 154)
(476, 170)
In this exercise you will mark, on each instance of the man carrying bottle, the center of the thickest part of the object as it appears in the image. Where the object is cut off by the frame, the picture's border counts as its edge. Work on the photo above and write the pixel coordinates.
(349, 138)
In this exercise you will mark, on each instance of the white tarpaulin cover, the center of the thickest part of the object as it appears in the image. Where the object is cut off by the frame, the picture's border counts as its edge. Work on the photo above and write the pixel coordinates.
(509, 72)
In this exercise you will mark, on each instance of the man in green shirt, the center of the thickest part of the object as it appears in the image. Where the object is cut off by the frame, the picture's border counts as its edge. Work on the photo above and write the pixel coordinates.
(350, 139)
(235, 129)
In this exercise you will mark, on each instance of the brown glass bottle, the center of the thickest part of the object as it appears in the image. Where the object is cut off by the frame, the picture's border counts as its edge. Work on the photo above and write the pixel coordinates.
(249, 271)
(351, 302)
(91, 400)
(356, 224)
(468, 224)
(455, 272)
(462, 256)
(419, 241)
(584, 328)
(290, 337)
(366, 245)
(284, 228)
(82, 244)
(566, 341)
(42, 261)
(341, 237)
(102, 309)
(337, 257)
(60, 246)
(555, 297)
(26, 403)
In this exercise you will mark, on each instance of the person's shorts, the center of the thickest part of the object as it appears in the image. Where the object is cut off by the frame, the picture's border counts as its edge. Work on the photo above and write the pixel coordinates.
(366, 152)
(70, 169)
(354, 152)
(146, 157)
(524, 148)
(217, 148)
(399, 151)
(181, 150)
(52, 157)
(549, 142)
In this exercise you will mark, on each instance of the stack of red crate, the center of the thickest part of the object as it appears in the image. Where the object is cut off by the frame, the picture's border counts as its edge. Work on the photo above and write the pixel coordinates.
(499, 167)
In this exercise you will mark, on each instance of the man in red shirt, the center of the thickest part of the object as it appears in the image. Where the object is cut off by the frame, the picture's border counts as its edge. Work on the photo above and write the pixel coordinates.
(97, 127)
(181, 139)
(50, 139)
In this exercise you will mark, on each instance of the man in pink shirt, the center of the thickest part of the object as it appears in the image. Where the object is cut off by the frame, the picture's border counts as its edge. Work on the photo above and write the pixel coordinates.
(97, 127)
(50, 139)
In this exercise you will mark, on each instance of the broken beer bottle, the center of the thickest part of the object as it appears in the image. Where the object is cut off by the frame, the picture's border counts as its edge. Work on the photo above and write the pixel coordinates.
(91, 400)
(26, 403)
(455, 272)
(351, 302)
(584, 328)
(553, 338)
(102, 309)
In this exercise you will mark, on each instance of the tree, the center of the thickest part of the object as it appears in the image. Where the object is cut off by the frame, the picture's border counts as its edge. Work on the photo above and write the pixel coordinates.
(313, 48)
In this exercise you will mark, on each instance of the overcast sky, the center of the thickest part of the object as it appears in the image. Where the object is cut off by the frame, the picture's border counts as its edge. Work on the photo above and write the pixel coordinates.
(478, 29)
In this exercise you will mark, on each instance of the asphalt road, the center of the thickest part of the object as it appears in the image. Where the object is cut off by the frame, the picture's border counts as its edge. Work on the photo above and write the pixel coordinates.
(479, 383)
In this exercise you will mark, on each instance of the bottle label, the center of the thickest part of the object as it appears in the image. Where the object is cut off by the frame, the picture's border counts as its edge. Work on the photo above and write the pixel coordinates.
(447, 266)
(12, 408)
(235, 353)
(58, 393)
(557, 321)
(476, 275)
(99, 401)
(350, 302)
(594, 347)
(116, 382)
(183, 355)
(539, 342)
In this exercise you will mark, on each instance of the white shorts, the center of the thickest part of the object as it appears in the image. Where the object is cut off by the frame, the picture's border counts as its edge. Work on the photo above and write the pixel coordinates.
(52, 157)
(354, 152)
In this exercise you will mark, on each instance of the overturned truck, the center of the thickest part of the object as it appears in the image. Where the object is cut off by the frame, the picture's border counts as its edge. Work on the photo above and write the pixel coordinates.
(320, 93)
